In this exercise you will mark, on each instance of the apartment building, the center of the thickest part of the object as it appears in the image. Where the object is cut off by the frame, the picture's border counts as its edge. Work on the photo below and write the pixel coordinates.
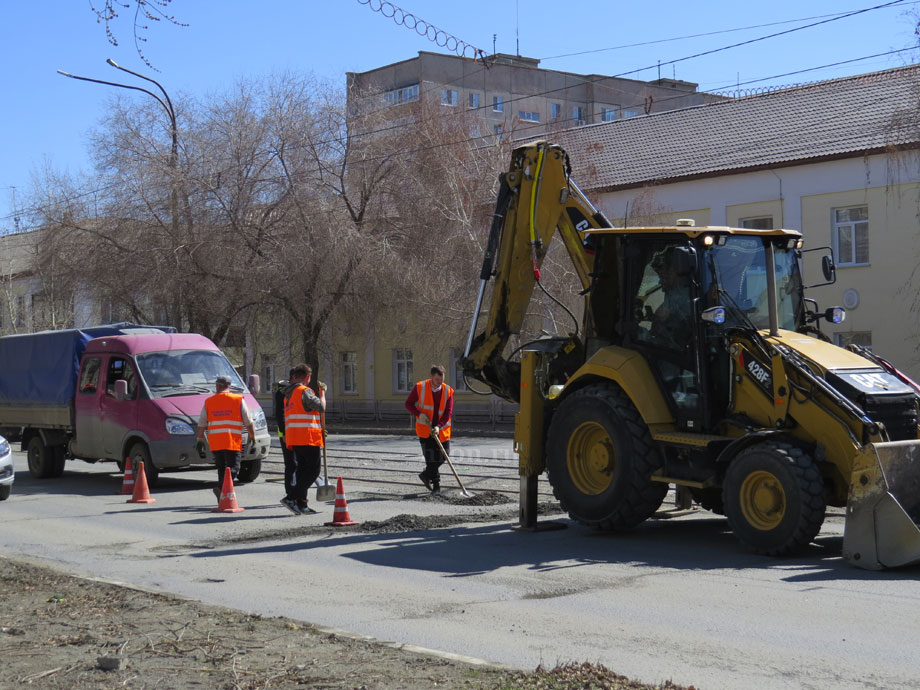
(505, 94)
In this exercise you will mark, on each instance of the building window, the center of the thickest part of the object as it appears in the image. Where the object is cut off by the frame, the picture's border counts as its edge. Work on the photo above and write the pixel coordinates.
(474, 100)
(448, 97)
(20, 318)
(475, 130)
(528, 116)
(349, 372)
(630, 113)
(407, 94)
(861, 338)
(608, 114)
(851, 235)
(402, 370)
(498, 105)
(498, 130)
(555, 110)
(578, 114)
(759, 223)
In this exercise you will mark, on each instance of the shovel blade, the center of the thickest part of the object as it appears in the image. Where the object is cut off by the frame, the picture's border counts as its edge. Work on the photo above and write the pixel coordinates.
(882, 527)
(325, 492)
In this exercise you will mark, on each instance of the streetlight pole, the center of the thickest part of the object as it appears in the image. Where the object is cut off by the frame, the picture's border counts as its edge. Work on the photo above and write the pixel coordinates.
(170, 111)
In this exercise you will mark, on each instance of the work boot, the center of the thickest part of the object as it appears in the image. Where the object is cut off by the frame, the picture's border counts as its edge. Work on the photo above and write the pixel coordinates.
(435, 489)
(305, 508)
(425, 480)
(291, 505)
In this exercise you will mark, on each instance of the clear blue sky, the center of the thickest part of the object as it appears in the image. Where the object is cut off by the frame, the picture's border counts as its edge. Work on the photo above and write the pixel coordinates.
(46, 117)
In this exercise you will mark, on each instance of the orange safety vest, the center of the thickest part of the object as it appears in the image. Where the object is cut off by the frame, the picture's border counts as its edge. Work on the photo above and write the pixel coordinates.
(225, 421)
(301, 427)
(425, 405)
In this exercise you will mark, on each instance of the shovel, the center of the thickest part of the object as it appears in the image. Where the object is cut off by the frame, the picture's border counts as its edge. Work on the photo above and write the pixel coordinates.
(451, 465)
(326, 492)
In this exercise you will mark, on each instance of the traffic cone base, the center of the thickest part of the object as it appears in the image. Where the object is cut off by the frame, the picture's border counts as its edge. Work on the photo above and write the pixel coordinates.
(141, 492)
(127, 485)
(227, 503)
(341, 518)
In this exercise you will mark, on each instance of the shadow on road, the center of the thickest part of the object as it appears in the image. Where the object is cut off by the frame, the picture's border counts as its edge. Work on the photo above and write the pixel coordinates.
(699, 544)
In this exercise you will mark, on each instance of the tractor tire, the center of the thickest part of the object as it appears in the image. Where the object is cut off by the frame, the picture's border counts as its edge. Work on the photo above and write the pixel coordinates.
(774, 498)
(600, 459)
(249, 470)
(41, 459)
(139, 453)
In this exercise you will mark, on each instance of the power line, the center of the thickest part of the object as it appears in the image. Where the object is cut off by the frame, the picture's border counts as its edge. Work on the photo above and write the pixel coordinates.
(702, 35)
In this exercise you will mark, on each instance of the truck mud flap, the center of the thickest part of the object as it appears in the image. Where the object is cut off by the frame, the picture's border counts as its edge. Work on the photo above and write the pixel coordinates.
(883, 508)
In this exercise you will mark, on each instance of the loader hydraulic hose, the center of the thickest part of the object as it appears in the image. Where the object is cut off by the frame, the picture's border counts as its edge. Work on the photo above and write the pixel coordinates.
(533, 205)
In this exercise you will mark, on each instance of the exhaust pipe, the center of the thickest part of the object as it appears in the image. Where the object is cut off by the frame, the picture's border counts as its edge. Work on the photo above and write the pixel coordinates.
(882, 528)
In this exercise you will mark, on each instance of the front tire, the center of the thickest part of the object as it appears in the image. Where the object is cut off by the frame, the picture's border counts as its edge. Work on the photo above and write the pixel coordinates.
(5, 492)
(600, 459)
(139, 453)
(249, 470)
(774, 498)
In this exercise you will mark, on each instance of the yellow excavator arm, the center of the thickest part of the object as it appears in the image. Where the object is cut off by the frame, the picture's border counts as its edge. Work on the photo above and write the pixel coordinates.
(536, 199)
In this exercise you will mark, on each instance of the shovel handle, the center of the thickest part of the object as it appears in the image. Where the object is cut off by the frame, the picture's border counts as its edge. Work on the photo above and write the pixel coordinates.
(450, 464)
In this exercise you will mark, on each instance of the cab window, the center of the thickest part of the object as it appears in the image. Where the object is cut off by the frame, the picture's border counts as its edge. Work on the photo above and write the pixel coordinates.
(120, 368)
(89, 375)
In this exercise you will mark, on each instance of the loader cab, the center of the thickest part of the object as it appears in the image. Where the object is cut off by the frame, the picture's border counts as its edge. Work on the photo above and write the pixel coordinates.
(665, 282)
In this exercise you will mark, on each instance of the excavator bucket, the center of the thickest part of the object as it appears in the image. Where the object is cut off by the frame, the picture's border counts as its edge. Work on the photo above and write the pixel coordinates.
(882, 527)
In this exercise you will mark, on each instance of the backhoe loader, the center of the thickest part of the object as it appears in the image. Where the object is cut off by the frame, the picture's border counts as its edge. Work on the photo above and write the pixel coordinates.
(698, 363)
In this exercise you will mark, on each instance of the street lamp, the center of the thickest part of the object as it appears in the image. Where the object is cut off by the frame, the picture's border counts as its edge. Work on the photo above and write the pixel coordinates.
(170, 111)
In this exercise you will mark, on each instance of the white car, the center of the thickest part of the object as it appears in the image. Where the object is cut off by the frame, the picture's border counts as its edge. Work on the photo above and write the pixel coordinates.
(7, 473)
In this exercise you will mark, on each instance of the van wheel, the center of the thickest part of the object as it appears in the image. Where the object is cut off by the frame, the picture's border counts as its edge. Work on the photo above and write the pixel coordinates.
(249, 470)
(138, 454)
(41, 459)
(774, 498)
(5, 492)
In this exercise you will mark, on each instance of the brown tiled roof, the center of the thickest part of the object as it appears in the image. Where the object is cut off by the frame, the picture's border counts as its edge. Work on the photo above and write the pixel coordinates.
(825, 120)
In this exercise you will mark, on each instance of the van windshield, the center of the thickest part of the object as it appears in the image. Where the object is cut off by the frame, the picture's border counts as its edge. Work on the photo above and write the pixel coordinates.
(185, 372)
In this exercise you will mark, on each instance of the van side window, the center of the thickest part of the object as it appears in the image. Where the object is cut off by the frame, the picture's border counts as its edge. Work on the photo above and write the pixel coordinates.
(120, 368)
(89, 377)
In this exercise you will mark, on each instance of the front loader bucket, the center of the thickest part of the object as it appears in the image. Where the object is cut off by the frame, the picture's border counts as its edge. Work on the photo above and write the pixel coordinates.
(883, 508)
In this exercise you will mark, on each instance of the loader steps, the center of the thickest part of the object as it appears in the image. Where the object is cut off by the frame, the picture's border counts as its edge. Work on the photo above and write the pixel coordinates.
(678, 438)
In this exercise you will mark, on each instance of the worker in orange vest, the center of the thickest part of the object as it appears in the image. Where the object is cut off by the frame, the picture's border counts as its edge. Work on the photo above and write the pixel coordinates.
(222, 419)
(303, 434)
(431, 402)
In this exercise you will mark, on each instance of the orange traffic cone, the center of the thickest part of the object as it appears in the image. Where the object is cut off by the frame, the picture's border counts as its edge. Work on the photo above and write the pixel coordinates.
(127, 486)
(141, 492)
(227, 503)
(340, 517)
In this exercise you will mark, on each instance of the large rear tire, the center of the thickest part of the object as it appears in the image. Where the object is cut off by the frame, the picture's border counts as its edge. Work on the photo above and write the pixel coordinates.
(139, 453)
(600, 459)
(774, 498)
(43, 460)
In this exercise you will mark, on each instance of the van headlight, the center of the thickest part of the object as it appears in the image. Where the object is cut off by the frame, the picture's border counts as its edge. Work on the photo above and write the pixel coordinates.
(258, 420)
(4, 447)
(178, 427)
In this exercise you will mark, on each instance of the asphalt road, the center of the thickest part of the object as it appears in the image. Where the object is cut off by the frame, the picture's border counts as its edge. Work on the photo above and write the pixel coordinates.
(676, 599)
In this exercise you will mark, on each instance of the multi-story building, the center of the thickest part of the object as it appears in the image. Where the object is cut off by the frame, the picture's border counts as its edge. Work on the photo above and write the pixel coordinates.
(510, 93)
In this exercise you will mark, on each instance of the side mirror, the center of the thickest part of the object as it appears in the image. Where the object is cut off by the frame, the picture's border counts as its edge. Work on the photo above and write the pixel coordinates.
(828, 268)
(121, 389)
(253, 383)
(714, 315)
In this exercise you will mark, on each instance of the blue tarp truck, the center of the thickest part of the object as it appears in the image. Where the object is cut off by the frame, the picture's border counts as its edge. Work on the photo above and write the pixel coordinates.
(114, 392)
